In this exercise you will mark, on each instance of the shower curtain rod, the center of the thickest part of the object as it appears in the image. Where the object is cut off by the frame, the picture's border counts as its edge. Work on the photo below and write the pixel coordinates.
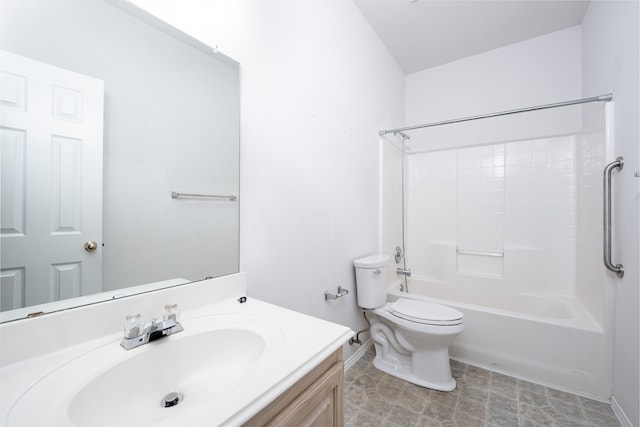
(602, 98)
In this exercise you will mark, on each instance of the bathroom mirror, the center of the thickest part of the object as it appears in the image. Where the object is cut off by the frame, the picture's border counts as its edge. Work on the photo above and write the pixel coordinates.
(157, 203)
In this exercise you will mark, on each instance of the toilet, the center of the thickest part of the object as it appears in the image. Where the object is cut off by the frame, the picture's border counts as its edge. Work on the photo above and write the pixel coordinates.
(411, 337)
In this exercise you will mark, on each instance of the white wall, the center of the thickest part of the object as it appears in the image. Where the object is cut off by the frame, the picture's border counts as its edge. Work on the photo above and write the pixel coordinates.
(610, 64)
(539, 71)
(316, 85)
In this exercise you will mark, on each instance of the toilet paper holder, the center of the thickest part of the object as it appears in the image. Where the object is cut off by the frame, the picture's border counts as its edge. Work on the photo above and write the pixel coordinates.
(341, 292)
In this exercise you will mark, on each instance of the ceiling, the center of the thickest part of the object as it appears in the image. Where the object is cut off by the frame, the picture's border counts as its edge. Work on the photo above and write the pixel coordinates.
(425, 33)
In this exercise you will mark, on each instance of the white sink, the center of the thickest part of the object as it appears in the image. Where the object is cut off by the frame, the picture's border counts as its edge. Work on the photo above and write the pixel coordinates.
(109, 386)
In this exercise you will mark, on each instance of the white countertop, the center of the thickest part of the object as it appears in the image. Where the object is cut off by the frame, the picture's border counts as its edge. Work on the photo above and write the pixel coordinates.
(305, 341)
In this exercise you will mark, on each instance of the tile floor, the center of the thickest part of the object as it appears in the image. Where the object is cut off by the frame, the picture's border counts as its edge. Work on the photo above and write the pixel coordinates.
(482, 398)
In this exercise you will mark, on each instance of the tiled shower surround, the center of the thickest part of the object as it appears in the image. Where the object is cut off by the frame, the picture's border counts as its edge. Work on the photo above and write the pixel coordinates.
(516, 199)
(509, 213)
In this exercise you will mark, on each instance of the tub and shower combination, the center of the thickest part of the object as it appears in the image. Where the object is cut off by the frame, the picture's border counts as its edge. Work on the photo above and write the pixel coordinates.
(510, 234)
(553, 341)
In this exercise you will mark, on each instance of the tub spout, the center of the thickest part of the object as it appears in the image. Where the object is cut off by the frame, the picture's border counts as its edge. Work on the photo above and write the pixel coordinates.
(404, 271)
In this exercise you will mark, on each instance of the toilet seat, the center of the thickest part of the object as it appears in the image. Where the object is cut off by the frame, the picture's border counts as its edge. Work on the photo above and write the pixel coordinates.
(425, 312)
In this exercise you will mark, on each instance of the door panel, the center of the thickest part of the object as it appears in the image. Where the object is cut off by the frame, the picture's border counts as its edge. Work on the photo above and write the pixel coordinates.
(12, 288)
(13, 169)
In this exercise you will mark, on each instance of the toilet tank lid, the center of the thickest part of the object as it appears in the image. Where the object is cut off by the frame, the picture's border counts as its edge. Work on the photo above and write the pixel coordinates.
(372, 261)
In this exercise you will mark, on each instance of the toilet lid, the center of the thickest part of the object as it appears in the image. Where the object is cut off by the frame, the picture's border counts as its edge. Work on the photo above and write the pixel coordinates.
(425, 312)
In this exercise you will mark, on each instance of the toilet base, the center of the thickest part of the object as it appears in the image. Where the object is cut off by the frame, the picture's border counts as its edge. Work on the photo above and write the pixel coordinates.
(415, 353)
(404, 373)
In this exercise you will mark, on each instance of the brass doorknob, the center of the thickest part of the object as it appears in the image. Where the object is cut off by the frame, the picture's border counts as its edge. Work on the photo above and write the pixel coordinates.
(90, 246)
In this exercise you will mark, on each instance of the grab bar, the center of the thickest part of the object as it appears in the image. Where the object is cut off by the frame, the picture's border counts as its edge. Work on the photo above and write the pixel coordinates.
(606, 194)
(175, 195)
(465, 252)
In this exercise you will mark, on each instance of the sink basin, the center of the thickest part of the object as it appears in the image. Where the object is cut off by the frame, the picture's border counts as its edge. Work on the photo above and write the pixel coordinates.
(110, 386)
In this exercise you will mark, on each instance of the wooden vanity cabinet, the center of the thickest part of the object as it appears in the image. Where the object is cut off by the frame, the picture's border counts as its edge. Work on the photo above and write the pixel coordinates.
(316, 400)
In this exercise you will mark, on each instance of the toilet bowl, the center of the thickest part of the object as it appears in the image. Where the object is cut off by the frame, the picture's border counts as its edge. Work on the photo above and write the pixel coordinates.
(411, 337)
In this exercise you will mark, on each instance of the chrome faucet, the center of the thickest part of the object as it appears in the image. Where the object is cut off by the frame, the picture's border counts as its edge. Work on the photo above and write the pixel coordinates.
(404, 271)
(134, 338)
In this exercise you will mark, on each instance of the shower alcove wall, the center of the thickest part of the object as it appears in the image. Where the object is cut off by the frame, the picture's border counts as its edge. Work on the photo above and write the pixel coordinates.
(503, 220)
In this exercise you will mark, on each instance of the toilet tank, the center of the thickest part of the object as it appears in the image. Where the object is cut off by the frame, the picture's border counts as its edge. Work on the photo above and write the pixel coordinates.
(371, 280)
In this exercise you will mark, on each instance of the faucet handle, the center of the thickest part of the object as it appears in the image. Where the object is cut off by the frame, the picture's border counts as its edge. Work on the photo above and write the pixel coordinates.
(171, 312)
(132, 325)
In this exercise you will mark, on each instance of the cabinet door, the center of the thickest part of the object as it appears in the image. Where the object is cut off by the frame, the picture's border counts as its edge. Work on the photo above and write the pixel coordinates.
(320, 405)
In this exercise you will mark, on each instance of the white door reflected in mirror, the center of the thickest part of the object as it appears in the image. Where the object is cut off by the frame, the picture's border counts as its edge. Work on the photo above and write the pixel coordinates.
(52, 135)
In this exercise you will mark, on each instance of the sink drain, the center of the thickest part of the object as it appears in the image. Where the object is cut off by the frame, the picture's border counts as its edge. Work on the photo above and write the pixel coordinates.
(171, 399)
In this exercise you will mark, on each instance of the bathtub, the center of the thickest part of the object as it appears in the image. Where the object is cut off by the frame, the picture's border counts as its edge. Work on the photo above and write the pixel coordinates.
(552, 341)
